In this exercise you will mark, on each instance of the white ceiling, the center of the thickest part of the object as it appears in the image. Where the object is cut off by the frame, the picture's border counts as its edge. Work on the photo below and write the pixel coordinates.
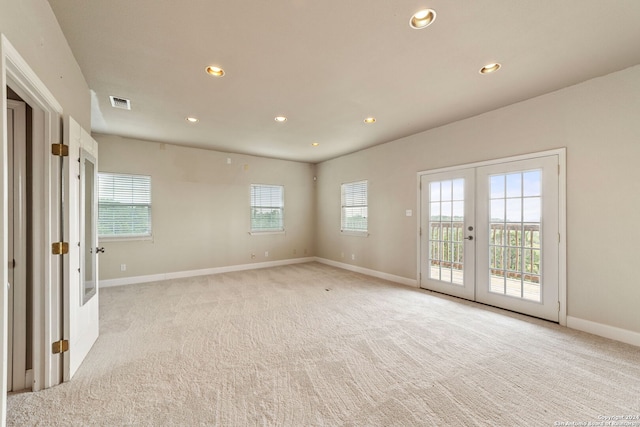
(329, 64)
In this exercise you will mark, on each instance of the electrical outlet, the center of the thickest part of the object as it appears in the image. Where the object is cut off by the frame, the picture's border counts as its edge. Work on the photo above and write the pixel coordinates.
(266, 254)
(253, 256)
(353, 257)
(123, 267)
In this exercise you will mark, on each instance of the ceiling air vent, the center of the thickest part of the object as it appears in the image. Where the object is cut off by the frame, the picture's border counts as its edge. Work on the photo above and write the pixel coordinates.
(121, 103)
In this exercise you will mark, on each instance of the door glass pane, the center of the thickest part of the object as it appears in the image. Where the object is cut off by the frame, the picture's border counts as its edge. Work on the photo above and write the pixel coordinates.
(531, 210)
(434, 191)
(497, 186)
(531, 183)
(514, 210)
(458, 189)
(446, 229)
(514, 185)
(446, 211)
(446, 190)
(497, 210)
(514, 234)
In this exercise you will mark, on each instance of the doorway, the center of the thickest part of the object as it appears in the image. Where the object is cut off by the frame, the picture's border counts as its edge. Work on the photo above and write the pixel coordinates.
(491, 232)
(19, 302)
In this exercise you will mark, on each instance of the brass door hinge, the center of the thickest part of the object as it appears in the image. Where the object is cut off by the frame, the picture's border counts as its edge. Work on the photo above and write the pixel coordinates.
(60, 150)
(60, 346)
(60, 248)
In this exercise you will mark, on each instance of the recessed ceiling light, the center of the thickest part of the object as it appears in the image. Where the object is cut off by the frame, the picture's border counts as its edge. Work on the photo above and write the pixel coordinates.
(215, 71)
(490, 68)
(192, 119)
(370, 120)
(422, 19)
(281, 119)
(315, 144)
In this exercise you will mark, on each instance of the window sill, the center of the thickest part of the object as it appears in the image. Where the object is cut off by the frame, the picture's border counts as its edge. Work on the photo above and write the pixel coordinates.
(264, 233)
(354, 233)
(125, 239)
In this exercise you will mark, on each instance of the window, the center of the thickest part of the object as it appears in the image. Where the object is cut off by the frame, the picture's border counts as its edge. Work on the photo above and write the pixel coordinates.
(267, 208)
(354, 208)
(124, 205)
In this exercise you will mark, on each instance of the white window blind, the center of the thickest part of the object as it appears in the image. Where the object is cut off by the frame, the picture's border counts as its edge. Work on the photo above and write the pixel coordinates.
(354, 207)
(124, 205)
(267, 208)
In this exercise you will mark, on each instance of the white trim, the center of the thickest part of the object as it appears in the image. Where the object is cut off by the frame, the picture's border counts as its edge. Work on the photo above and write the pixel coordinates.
(203, 272)
(267, 233)
(354, 233)
(21, 74)
(607, 331)
(4, 231)
(562, 229)
(379, 274)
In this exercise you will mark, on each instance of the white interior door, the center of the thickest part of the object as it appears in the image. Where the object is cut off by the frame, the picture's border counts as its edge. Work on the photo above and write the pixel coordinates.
(447, 232)
(81, 316)
(511, 211)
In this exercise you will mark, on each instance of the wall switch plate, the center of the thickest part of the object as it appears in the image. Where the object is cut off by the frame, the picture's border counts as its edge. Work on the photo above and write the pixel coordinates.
(408, 212)
(123, 267)
(266, 254)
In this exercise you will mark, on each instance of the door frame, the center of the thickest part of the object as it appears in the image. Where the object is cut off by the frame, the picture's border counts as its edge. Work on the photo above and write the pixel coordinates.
(562, 213)
(17, 313)
(47, 113)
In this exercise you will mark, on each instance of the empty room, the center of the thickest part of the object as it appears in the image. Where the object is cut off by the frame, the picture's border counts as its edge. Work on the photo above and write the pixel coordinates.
(299, 213)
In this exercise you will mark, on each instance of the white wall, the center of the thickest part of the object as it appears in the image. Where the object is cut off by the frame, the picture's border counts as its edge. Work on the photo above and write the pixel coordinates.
(598, 122)
(200, 208)
(33, 30)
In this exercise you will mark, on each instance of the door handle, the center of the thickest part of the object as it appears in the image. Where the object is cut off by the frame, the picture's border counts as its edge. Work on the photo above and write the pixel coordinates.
(468, 238)
(100, 250)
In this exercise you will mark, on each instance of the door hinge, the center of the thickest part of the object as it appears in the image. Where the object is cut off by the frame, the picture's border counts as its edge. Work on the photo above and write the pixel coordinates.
(421, 231)
(60, 346)
(60, 248)
(558, 306)
(60, 150)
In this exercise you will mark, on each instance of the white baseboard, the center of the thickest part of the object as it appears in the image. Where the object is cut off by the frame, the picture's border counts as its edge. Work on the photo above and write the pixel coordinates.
(600, 329)
(380, 275)
(203, 272)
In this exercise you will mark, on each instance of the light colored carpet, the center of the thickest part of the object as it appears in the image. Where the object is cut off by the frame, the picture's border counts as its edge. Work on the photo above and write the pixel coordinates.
(312, 345)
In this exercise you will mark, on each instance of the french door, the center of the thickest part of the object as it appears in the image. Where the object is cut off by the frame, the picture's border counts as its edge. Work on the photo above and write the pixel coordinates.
(490, 233)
